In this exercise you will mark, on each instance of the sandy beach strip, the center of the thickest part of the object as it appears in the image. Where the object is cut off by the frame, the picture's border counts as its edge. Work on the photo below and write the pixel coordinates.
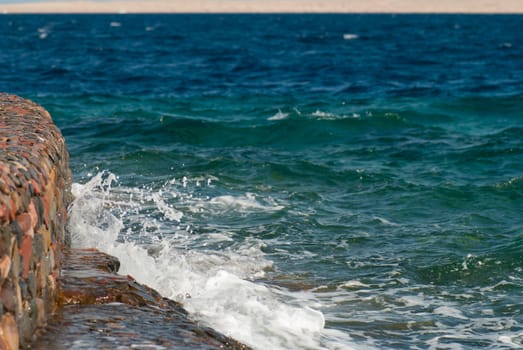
(269, 6)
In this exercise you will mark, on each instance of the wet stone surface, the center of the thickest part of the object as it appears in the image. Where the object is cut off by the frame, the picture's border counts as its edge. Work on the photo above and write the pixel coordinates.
(102, 310)
(121, 326)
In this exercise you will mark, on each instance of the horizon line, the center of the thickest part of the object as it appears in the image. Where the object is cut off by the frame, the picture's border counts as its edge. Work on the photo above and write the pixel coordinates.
(265, 7)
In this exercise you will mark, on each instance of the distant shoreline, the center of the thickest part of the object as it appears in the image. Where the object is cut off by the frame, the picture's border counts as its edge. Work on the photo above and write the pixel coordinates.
(270, 6)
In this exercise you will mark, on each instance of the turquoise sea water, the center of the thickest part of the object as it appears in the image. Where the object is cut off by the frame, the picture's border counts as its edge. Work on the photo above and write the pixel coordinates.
(298, 182)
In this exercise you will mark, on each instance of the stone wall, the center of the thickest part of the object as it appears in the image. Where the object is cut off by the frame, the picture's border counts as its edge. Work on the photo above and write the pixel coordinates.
(35, 182)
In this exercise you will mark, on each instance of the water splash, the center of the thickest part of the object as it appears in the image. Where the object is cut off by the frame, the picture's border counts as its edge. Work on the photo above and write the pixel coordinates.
(217, 286)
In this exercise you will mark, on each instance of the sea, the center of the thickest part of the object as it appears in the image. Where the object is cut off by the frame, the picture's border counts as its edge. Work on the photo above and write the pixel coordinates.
(306, 181)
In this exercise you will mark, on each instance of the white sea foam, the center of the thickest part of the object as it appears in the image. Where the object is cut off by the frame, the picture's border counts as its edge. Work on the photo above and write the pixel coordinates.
(215, 285)
(384, 221)
(514, 340)
(353, 285)
(449, 311)
(43, 32)
(322, 115)
(414, 300)
(244, 203)
(167, 210)
(349, 36)
(279, 116)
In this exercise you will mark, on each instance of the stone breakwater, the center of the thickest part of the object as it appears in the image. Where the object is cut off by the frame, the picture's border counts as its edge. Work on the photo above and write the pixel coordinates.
(59, 296)
(35, 182)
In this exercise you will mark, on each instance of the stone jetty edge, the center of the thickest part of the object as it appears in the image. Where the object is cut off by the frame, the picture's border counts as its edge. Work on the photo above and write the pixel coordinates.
(35, 191)
(35, 249)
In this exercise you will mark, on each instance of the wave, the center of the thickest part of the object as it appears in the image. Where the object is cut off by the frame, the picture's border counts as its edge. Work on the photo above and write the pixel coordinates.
(213, 274)
(244, 203)
(279, 116)
(283, 129)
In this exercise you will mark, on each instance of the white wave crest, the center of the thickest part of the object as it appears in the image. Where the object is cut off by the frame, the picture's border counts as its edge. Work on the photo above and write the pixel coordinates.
(279, 116)
(349, 36)
(215, 285)
(245, 203)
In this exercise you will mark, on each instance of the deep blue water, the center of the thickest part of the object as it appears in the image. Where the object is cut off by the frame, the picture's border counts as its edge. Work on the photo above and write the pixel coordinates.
(364, 170)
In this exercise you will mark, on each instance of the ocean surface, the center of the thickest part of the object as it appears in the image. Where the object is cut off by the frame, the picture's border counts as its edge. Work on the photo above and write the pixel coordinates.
(297, 181)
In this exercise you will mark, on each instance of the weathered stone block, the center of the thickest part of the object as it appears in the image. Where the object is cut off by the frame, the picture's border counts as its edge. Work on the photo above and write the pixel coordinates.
(8, 333)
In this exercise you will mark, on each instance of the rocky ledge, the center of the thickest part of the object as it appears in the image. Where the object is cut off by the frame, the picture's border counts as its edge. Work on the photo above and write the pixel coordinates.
(102, 310)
